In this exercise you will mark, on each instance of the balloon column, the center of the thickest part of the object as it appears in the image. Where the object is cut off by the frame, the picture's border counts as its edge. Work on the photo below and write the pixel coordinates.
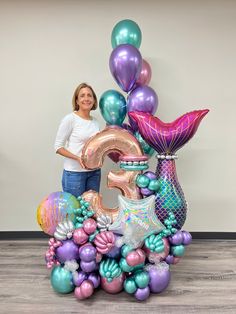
(130, 247)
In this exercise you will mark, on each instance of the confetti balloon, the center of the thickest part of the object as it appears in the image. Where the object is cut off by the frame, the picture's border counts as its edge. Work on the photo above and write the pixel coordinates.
(54, 209)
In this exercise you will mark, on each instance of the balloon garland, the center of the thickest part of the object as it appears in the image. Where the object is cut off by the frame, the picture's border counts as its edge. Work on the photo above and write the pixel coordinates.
(130, 247)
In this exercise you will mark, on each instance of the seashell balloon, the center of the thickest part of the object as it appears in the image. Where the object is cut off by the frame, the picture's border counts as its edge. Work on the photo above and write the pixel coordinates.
(64, 230)
(103, 222)
(105, 241)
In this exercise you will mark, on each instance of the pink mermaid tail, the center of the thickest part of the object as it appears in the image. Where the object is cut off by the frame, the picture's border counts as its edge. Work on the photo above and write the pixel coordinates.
(166, 139)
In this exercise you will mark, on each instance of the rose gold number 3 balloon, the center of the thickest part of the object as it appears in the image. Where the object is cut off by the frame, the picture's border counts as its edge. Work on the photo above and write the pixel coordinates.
(111, 139)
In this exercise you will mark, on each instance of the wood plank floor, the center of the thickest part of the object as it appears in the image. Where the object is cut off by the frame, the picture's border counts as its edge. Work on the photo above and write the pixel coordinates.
(203, 282)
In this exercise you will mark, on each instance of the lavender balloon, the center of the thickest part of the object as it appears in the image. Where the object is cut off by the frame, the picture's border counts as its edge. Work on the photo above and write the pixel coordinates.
(68, 251)
(142, 98)
(159, 278)
(142, 294)
(125, 65)
(87, 253)
(95, 278)
(88, 267)
(177, 238)
(151, 175)
(146, 192)
(79, 277)
(187, 238)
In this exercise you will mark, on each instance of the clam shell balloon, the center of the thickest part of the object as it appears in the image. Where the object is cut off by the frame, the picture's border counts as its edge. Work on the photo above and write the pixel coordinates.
(54, 209)
(105, 241)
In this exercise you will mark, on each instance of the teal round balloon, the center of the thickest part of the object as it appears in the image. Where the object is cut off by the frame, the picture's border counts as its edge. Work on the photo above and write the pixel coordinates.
(113, 107)
(126, 32)
(61, 280)
(142, 279)
(142, 181)
(154, 185)
(178, 250)
(147, 149)
(130, 285)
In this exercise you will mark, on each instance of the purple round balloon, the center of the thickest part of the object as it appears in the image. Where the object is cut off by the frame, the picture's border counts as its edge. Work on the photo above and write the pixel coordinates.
(146, 192)
(159, 279)
(68, 251)
(114, 252)
(88, 267)
(79, 277)
(142, 294)
(95, 278)
(151, 175)
(187, 238)
(177, 238)
(87, 253)
(125, 65)
(144, 99)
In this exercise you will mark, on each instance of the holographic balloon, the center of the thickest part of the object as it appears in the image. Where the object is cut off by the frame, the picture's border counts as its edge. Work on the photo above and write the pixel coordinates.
(54, 209)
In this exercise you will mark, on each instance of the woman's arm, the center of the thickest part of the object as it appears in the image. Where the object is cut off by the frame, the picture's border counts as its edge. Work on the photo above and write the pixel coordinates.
(64, 152)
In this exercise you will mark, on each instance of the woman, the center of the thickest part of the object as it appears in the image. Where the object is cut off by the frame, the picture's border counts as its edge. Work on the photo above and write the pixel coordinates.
(74, 131)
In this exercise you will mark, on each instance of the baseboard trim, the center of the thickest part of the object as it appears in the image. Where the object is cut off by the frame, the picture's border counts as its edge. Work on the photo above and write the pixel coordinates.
(29, 235)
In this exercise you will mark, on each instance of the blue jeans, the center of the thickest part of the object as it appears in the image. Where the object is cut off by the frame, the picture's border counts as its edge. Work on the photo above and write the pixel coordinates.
(77, 183)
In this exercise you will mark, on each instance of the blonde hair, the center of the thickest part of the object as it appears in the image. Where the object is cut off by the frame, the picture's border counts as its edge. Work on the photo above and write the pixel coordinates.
(76, 93)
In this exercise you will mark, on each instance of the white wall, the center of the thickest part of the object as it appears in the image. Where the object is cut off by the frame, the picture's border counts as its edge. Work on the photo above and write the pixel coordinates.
(48, 47)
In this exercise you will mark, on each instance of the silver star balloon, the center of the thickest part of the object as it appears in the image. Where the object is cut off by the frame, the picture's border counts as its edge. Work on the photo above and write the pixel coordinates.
(136, 220)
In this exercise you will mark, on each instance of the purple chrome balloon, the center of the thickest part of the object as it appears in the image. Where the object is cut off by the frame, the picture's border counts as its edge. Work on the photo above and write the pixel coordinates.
(159, 279)
(125, 65)
(146, 192)
(187, 238)
(151, 175)
(95, 278)
(142, 98)
(114, 252)
(79, 277)
(87, 253)
(177, 238)
(142, 294)
(68, 251)
(88, 267)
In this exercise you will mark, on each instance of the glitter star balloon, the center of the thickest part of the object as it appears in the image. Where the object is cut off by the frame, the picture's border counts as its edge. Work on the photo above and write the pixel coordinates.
(136, 220)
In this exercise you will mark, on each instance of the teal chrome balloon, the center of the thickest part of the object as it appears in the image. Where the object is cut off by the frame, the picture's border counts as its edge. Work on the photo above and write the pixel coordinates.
(178, 250)
(142, 279)
(148, 150)
(130, 286)
(142, 181)
(61, 280)
(113, 107)
(126, 32)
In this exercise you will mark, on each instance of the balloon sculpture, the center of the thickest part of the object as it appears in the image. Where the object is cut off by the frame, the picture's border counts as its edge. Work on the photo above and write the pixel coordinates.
(132, 246)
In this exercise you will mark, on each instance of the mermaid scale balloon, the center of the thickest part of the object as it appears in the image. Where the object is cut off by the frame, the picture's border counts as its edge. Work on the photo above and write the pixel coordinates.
(166, 139)
(170, 197)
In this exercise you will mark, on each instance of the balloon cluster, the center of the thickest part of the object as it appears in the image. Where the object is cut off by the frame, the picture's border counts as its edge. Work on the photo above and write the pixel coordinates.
(148, 183)
(82, 264)
(132, 74)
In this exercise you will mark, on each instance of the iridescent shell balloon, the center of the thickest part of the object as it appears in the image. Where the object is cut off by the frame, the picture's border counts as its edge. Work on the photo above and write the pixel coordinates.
(54, 209)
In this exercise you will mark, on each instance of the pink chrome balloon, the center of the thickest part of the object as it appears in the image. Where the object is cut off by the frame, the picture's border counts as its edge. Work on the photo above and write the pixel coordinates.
(85, 290)
(104, 241)
(89, 225)
(145, 75)
(115, 286)
(80, 236)
(136, 257)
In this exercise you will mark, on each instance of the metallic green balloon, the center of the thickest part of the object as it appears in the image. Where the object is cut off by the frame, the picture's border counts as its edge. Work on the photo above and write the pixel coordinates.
(142, 181)
(125, 249)
(126, 32)
(124, 266)
(142, 279)
(130, 286)
(113, 107)
(148, 150)
(178, 250)
(154, 185)
(61, 280)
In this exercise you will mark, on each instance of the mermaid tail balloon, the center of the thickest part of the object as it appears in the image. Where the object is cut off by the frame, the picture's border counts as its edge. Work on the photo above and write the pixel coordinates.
(166, 139)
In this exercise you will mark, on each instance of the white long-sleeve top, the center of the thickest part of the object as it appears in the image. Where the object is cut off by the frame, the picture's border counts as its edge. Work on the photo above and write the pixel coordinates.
(72, 134)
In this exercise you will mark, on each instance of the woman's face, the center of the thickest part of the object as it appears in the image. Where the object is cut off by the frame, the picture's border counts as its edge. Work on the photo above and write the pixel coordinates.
(85, 99)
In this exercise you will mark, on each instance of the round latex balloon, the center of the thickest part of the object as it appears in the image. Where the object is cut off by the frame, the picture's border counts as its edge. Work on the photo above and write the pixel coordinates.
(54, 209)
(112, 105)
(126, 32)
(125, 65)
(145, 75)
(142, 98)
(62, 280)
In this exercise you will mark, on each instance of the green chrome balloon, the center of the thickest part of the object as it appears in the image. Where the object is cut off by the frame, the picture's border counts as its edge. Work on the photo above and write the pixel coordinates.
(178, 250)
(154, 185)
(113, 107)
(126, 32)
(125, 250)
(124, 266)
(130, 286)
(148, 150)
(142, 279)
(142, 181)
(61, 280)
